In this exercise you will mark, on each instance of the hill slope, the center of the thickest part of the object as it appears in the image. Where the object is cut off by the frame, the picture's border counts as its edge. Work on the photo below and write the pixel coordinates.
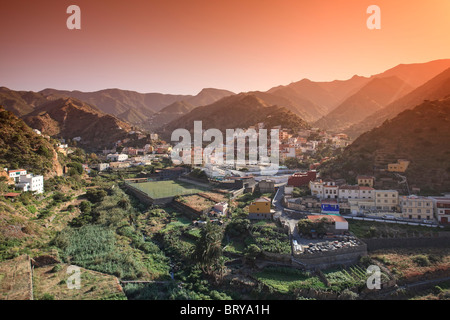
(239, 111)
(135, 107)
(372, 97)
(420, 135)
(21, 147)
(69, 118)
(436, 88)
(21, 102)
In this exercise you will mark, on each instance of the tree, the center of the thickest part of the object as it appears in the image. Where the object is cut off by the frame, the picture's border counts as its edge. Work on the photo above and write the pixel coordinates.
(85, 207)
(95, 195)
(208, 249)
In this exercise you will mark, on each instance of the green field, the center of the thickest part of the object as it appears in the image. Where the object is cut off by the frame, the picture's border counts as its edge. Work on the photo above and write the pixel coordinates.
(166, 189)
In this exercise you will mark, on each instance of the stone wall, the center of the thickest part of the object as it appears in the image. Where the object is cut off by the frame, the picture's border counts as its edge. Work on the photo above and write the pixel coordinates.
(387, 243)
(325, 260)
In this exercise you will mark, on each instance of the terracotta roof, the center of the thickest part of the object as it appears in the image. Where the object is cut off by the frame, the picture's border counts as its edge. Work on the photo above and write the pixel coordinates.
(11, 194)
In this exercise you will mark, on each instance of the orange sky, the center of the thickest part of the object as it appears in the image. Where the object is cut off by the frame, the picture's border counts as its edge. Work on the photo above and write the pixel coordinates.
(183, 46)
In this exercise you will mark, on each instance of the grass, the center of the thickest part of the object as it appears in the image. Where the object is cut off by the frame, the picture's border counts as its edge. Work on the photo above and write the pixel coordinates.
(370, 229)
(94, 285)
(166, 189)
(409, 265)
(285, 280)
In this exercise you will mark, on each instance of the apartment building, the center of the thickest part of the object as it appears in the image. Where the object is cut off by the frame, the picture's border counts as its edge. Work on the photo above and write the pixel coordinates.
(441, 206)
(386, 200)
(415, 207)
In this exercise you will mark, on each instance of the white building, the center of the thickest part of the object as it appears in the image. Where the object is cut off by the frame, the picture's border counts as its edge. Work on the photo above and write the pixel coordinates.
(348, 192)
(442, 208)
(15, 174)
(116, 157)
(32, 183)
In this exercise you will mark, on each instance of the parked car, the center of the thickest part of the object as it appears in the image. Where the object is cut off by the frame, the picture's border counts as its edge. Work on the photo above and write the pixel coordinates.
(388, 216)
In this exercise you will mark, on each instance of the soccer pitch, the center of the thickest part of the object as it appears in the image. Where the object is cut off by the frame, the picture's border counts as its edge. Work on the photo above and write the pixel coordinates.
(166, 189)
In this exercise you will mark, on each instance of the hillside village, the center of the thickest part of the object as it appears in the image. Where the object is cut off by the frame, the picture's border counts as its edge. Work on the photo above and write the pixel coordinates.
(144, 226)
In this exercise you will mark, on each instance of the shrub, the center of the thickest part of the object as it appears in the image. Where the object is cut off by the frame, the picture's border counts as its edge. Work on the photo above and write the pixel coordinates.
(421, 260)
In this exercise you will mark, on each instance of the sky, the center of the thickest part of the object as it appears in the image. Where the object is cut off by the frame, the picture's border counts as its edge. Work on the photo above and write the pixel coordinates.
(183, 46)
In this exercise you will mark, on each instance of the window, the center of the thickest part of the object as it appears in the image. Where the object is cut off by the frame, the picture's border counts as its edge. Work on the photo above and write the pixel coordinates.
(419, 210)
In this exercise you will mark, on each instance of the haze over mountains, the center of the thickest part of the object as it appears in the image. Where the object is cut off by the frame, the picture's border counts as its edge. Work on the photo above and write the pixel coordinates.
(242, 111)
(353, 106)
(436, 88)
(136, 107)
(375, 95)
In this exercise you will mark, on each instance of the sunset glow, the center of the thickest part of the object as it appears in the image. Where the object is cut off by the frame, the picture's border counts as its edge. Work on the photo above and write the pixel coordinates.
(184, 46)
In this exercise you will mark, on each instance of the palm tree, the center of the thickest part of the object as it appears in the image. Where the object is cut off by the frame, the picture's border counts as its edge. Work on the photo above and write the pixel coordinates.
(208, 250)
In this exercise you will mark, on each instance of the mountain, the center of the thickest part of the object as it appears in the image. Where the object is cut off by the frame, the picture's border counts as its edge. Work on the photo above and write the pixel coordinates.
(168, 114)
(20, 102)
(208, 96)
(372, 97)
(238, 111)
(318, 98)
(436, 88)
(117, 101)
(135, 107)
(420, 135)
(69, 118)
(21, 147)
(305, 109)
(417, 74)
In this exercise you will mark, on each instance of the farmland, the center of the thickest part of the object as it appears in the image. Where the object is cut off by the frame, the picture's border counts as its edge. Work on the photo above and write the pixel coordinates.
(167, 189)
(409, 265)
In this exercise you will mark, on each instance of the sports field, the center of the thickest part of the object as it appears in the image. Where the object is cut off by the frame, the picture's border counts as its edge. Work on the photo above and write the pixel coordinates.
(166, 189)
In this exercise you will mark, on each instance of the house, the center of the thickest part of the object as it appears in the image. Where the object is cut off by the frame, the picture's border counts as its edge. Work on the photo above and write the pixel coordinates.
(348, 192)
(220, 209)
(102, 166)
(441, 207)
(300, 179)
(15, 174)
(361, 206)
(266, 186)
(329, 206)
(316, 188)
(11, 195)
(386, 200)
(340, 225)
(400, 166)
(116, 157)
(330, 190)
(366, 192)
(366, 181)
(32, 183)
(415, 207)
(260, 209)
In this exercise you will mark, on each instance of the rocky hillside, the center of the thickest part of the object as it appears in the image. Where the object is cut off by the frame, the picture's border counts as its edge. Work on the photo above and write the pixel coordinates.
(69, 118)
(239, 111)
(21, 147)
(420, 135)
(134, 107)
(436, 88)
(21, 102)
(372, 97)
